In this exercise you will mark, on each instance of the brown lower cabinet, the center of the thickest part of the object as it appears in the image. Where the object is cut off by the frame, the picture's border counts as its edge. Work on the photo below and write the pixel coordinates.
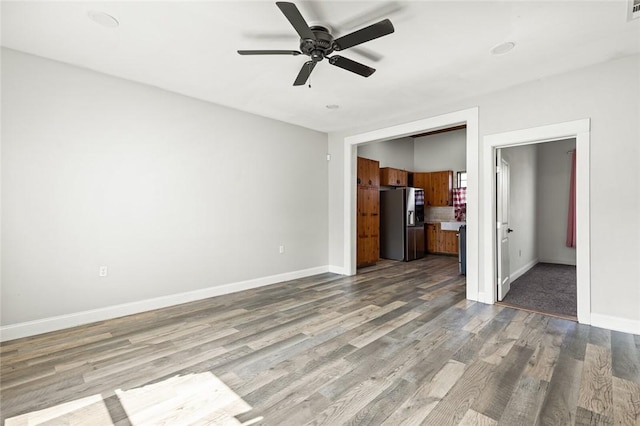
(431, 234)
(439, 241)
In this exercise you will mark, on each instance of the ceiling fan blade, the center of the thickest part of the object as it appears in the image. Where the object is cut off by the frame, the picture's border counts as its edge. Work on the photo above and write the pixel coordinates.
(371, 32)
(304, 73)
(353, 66)
(292, 13)
(269, 52)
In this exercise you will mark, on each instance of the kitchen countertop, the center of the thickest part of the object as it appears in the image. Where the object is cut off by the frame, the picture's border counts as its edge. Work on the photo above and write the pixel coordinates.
(448, 225)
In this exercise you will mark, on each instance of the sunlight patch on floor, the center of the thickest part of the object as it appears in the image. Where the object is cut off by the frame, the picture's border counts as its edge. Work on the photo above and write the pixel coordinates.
(74, 412)
(180, 400)
(183, 400)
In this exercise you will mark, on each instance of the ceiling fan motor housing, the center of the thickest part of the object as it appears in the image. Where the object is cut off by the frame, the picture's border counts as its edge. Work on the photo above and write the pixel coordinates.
(319, 48)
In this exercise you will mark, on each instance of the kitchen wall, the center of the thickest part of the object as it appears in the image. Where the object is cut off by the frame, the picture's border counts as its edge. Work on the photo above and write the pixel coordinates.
(523, 249)
(442, 151)
(607, 93)
(397, 153)
(553, 179)
(173, 194)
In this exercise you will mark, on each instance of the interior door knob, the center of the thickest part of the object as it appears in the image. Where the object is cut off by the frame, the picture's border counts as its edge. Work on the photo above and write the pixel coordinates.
(509, 230)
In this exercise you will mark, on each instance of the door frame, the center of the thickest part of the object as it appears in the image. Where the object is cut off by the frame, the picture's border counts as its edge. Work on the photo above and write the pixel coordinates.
(578, 129)
(468, 117)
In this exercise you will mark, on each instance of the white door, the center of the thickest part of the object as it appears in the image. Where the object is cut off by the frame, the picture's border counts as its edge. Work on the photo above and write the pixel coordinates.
(502, 234)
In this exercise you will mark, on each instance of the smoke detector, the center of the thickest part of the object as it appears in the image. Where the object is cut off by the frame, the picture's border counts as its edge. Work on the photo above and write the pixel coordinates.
(103, 19)
(503, 48)
(633, 10)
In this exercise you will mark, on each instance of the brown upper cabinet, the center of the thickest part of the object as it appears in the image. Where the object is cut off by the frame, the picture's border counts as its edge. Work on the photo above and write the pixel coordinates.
(393, 177)
(438, 187)
(368, 172)
(441, 188)
(422, 180)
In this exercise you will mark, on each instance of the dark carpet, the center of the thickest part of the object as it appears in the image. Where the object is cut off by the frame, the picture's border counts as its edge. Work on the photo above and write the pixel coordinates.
(546, 287)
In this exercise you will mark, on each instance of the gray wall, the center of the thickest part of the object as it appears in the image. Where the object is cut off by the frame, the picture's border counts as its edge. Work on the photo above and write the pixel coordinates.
(606, 93)
(397, 153)
(523, 250)
(171, 193)
(553, 181)
(442, 151)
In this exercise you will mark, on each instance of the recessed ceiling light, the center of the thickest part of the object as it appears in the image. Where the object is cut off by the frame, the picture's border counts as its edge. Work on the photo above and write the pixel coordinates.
(103, 19)
(333, 106)
(503, 48)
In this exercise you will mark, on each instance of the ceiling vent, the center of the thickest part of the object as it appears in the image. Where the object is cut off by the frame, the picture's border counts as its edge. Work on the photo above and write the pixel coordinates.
(634, 10)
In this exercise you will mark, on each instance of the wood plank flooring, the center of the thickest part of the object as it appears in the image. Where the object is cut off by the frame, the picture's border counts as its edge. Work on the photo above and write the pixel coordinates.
(397, 344)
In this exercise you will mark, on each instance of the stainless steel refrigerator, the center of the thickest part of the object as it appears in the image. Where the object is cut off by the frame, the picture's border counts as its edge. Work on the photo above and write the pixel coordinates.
(402, 224)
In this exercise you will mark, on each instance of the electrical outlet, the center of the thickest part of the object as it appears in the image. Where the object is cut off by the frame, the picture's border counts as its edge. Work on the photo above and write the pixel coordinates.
(281, 249)
(102, 271)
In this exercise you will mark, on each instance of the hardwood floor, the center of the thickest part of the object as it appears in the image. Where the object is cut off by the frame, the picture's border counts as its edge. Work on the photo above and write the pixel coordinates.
(396, 344)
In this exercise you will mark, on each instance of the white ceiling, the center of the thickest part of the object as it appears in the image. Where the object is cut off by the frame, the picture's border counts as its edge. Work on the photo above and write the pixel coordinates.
(439, 52)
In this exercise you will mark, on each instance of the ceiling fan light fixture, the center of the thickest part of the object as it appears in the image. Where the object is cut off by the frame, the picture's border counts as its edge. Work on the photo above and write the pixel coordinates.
(103, 19)
(503, 48)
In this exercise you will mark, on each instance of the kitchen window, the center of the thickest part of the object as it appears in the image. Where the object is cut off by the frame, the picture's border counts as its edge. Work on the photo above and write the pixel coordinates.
(461, 179)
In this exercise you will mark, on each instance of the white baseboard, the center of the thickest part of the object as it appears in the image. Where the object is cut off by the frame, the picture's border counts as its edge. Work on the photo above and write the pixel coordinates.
(337, 270)
(485, 297)
(520, 272)
(616, 323)
(571, 262)
(45, 325)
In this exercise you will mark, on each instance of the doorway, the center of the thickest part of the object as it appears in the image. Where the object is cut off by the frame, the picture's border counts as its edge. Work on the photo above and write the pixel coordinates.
(468, 117)
(540, 269)
(580, 130)
(410, 163)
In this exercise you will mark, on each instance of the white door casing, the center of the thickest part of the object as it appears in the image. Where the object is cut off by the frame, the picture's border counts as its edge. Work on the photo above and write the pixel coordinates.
(468, 117)
(502, 228)
(578, 129)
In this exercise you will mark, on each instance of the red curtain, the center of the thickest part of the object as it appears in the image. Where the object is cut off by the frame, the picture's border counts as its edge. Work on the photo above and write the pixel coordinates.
(571, 222)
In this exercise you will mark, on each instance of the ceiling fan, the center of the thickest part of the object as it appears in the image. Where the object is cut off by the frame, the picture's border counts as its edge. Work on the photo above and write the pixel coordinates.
(318, 43)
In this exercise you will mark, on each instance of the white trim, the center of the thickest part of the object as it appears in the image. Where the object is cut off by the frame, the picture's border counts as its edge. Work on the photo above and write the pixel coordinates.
(578, 129)
(520, 272)
(468, 117)
(336, 270)
(615, 323)
(570, 262)
(485, 298)
(45, 325)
